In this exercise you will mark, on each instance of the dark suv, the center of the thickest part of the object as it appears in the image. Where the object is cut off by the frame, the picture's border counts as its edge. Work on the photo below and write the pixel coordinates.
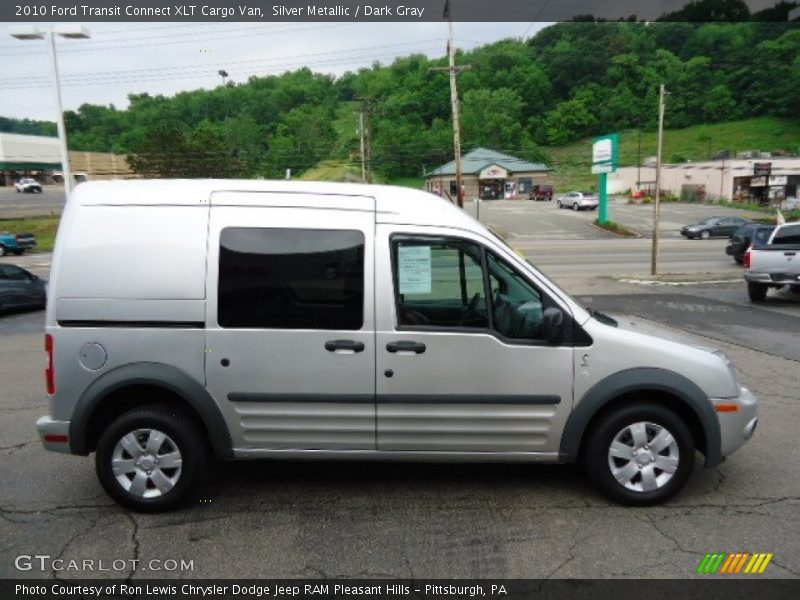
(744, 236)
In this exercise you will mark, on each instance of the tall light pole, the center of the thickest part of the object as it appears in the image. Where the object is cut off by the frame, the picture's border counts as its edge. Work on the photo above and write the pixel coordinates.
(69, 32)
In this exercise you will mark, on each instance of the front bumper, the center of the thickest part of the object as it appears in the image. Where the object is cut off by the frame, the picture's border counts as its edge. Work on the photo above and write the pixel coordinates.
(54, 434)
(736, 426)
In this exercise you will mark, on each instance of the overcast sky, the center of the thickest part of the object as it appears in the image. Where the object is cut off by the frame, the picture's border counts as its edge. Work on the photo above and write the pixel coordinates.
(165, 58)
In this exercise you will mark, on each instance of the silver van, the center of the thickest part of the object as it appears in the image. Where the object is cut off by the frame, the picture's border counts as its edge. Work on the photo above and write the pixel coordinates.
(194, 320)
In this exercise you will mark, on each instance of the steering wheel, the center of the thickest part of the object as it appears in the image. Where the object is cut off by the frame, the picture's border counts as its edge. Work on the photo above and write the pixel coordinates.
(470, 311)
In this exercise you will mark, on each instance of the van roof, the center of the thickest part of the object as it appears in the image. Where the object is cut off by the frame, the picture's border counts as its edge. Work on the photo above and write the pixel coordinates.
(393, 204)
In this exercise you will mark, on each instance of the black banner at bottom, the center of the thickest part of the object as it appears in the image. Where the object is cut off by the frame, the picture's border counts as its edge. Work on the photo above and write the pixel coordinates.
(721, 588)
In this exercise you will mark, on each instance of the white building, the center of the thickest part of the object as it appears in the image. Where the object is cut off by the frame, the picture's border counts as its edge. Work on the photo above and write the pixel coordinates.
(729, 179)
(40, 157)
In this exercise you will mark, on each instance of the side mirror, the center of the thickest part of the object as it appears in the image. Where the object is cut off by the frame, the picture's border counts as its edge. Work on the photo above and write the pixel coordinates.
(553, 324)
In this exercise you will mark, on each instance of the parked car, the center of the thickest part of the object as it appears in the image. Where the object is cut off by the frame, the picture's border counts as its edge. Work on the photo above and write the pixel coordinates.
(774, 264)
(750, 233)
(293, 319)
(713, 227)
(28, 185)
(541, 192)
(578, 201)
(16, 243)
(20, 288)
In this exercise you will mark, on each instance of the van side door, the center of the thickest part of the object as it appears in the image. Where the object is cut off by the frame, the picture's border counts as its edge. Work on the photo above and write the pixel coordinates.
(462, 364)
(290, 324)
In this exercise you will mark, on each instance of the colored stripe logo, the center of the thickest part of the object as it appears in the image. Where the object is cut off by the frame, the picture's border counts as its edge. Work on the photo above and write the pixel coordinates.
(734, 563)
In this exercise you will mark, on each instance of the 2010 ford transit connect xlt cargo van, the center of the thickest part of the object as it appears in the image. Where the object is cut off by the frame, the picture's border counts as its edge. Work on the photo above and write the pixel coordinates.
(269, 319)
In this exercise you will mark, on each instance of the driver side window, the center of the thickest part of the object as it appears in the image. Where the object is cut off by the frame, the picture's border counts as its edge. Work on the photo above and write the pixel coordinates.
(517, 306)
(439, 282)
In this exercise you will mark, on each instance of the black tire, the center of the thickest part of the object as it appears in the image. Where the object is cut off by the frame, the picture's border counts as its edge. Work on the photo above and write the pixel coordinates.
(596, 452)
(739, 259)
(705, 234)
(559, 204)
(757, 292)
(3, 250)
(575, 207)
(186, 435)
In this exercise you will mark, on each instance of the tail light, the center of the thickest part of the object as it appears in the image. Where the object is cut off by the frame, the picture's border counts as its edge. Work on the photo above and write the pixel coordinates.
(746, 258)
(49, 375)
(18, 238)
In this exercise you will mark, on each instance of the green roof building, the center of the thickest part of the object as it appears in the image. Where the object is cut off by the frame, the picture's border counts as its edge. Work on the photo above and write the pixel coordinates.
(489, 175)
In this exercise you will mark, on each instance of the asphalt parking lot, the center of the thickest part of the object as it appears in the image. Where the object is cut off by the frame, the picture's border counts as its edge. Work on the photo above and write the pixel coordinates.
(14, 205)
(526, 220)
(414, 521)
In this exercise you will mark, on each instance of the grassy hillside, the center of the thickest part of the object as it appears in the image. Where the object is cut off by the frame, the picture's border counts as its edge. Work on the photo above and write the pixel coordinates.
(571, 163)
(333, 170)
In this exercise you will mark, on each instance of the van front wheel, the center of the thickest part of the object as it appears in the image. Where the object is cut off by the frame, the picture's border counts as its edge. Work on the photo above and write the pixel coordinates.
(151, 459)
(641, 454)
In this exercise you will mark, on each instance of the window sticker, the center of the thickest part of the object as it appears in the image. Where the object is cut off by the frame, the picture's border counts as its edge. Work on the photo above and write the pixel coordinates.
(414, 269)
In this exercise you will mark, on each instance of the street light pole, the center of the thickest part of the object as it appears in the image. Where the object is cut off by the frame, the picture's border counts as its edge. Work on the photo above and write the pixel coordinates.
(62, 130)
(65, 32)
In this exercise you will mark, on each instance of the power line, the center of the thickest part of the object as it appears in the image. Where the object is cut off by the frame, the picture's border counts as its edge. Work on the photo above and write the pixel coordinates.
(92, 76)
(259, 31)
(77, 81)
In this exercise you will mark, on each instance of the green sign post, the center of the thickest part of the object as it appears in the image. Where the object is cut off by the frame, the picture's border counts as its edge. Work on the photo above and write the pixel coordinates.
(605, 159)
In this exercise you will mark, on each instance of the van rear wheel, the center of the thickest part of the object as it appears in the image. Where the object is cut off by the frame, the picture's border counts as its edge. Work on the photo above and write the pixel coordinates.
(151, 459)
(640, 454)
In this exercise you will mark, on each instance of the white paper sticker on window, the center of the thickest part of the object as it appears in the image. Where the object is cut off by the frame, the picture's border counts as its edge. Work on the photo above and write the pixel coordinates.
(414, 269)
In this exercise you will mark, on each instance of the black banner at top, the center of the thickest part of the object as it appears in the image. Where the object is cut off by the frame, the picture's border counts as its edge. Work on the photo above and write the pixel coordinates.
(394, 10)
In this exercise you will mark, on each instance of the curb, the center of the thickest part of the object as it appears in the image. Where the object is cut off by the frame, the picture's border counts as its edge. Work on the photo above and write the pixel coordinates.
(634, 236)
(678, 283)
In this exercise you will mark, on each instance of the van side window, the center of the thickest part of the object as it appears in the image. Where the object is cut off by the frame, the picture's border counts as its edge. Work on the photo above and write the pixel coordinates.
(291, 278)
(517, 306)
(439, 282)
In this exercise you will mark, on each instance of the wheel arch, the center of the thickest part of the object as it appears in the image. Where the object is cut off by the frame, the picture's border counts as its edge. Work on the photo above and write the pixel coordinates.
(662, 386)
(120, 389)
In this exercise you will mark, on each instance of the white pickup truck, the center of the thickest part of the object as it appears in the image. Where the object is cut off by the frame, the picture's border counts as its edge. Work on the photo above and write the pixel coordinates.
(775, 263)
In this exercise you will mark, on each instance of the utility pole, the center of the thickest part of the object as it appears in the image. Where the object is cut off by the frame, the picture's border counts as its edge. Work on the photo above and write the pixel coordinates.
(363, 156)
(656, 204)
(365, 125)
(454, 70)
(222, 73)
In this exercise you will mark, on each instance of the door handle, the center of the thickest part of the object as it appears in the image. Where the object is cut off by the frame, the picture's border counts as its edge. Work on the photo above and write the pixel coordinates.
(352, 346)
(789, 253)
(406, 346)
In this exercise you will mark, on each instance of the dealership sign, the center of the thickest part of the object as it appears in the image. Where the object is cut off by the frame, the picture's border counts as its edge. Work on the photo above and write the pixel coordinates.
(605, 153)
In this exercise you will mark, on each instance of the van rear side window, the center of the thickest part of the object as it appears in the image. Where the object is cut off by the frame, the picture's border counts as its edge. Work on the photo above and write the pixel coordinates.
(291, 279)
